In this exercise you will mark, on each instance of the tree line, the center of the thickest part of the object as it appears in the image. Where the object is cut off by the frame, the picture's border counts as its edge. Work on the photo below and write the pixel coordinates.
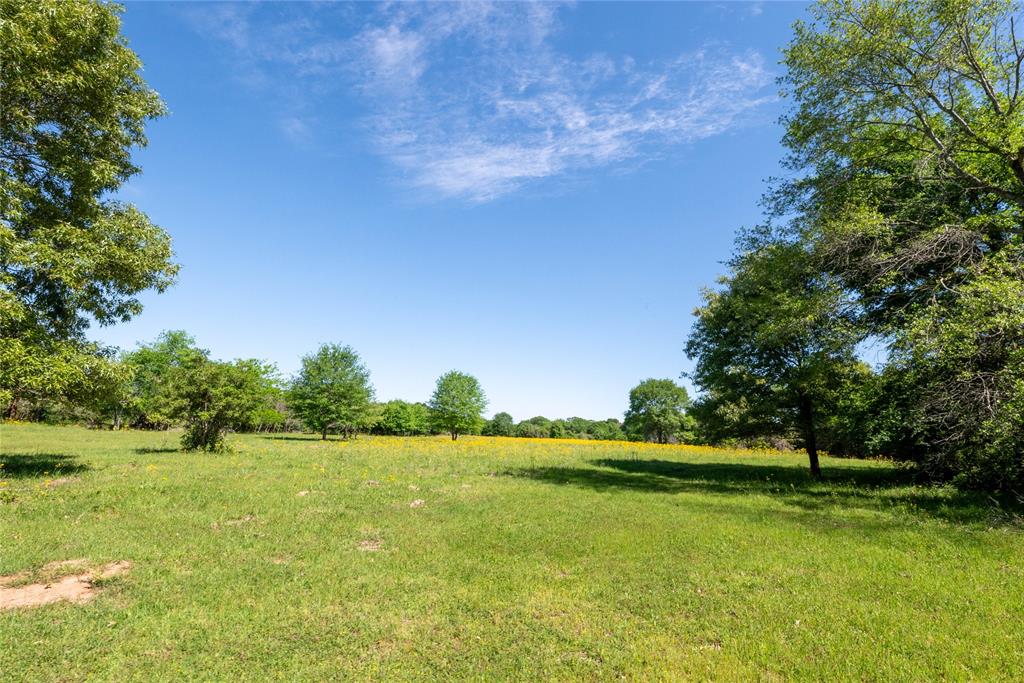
(171, 382)
(899, 225)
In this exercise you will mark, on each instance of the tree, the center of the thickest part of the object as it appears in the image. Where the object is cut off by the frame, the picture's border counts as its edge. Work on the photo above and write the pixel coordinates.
(399, 418)
(500, 425)
(966, 365)
(538, 427)
(332, 389)
(152, 366)
(607, 430)
(657, 411)
(35, 370)
(457, 403)
(578, 427)
(907, 144)
(74, 106)
(773, 345)
(211, 397)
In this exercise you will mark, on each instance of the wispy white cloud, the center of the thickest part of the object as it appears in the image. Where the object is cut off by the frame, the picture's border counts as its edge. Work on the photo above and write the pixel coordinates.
(296, 129)
(474, 100)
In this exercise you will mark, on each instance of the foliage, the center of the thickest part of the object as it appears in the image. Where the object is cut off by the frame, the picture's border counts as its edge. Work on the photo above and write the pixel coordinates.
(211, 397)
(772, 348)
(332, 390)
(657, 412)
(273, 416)
(74, 106)
(44, 369)
(400, 418)
(501, 424)
(606, 430)
(152, 368)
(967, 363)
(538, 427)
(457, 404)
(907, 145)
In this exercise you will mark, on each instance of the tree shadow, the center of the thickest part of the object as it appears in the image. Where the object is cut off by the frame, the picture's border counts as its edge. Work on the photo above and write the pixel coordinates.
(25, 465)
(883, 488)
(294, 437)
(164, 449)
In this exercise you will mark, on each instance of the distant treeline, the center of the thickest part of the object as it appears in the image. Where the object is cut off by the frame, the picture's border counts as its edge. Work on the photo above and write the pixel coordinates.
(171, 382)
(401, 418)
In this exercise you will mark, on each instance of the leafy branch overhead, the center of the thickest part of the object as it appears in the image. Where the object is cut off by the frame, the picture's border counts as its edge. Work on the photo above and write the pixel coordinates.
(74, 108)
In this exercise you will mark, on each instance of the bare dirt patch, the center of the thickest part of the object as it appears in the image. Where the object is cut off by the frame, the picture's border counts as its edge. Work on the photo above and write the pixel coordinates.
(418, 503)
(76, 588)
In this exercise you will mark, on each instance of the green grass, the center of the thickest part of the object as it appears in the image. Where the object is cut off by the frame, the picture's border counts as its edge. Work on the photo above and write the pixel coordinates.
(527, 560)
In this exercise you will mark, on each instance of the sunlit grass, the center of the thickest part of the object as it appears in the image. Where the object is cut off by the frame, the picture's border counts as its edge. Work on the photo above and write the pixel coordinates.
(290, 558)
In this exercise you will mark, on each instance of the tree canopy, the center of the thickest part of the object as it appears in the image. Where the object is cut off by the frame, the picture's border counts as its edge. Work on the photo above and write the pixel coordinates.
(773, 346)
(457, 403)
(151, 368)
(907, 146)
(657, 412)
(401, 418)
(332, 390)
(501, 424)
(211, 397)
(74, 107)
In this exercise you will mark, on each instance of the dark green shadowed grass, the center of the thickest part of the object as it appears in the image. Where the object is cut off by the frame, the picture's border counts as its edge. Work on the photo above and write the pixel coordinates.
(295, 559)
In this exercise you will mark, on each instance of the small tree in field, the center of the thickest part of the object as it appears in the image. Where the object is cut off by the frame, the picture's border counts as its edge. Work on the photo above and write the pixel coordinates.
(333, 388)
(457, 403)
(212, 397)
(657, 411)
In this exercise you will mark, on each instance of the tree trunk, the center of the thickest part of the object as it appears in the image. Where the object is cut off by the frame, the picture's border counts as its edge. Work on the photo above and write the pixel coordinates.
(810, 437)
(455, 435)
(323, 434)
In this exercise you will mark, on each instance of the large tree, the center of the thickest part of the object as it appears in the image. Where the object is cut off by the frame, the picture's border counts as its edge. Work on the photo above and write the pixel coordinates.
(457, 403)
(657, 412)
(332, 390)
(907, 145)
(773, 346)
(72, 108)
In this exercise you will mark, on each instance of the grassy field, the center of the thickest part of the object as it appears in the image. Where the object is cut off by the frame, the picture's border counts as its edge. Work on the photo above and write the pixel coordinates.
(395, 559)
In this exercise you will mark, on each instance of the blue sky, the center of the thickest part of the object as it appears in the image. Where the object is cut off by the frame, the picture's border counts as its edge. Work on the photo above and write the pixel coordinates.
(534, 194)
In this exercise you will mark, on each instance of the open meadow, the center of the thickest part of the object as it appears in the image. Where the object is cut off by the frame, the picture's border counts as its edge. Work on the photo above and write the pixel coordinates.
(396, 558)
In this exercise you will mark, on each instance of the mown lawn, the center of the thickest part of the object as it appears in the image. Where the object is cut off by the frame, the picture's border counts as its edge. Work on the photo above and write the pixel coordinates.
(525, 560)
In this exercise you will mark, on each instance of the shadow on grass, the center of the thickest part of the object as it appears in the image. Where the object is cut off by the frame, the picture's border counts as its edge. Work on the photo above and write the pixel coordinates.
(164, 449)
(25, 465)
(293, 437)
(880, 488)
